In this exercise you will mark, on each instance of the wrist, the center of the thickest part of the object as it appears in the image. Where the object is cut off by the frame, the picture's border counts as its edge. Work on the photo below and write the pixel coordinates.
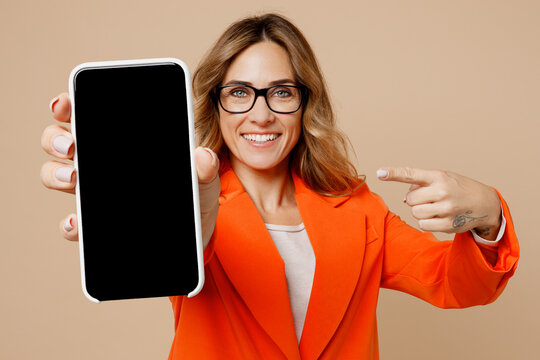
(489, 227)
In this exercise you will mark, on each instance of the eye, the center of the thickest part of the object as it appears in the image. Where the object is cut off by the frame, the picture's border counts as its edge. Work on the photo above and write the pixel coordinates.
(282, 92)
(239, 92)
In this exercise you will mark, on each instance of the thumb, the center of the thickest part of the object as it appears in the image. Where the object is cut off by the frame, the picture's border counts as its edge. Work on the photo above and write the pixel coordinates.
(414, 187)
(411, 188)
(207, 164)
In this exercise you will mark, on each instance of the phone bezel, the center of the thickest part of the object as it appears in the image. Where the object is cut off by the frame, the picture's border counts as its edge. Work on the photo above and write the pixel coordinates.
(194, 179)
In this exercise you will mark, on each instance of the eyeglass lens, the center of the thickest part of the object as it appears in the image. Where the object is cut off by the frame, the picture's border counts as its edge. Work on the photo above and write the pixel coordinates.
(238, 98)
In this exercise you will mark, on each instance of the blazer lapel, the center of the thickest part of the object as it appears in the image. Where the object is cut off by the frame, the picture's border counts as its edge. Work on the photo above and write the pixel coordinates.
(253, 264)
(338, 239)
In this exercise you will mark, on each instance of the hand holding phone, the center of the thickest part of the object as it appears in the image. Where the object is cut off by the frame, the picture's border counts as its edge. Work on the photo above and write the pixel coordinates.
(138, 213)
(59, 174)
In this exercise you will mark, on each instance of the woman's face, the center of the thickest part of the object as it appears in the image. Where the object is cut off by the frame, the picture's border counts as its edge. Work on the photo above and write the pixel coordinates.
(260, 138)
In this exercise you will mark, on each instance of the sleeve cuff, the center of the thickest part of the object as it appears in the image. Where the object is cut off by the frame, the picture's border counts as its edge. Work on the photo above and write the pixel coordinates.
(495, 242)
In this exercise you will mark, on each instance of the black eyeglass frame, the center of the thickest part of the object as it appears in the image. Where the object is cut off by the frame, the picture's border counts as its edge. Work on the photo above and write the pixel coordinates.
(262, 92)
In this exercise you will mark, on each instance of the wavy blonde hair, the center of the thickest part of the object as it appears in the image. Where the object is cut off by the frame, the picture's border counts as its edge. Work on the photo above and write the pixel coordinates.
(321, 156)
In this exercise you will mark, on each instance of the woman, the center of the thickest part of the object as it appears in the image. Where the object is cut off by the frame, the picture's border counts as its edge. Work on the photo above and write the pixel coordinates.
(296, 245)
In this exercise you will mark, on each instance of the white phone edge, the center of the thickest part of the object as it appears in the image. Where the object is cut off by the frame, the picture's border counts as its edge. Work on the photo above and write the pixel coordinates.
(194, 178)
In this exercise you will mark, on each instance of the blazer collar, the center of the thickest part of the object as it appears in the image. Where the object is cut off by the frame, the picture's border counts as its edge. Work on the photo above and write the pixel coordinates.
(258, 273)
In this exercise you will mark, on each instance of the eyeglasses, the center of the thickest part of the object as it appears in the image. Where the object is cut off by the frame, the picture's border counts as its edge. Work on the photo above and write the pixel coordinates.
(240, 98)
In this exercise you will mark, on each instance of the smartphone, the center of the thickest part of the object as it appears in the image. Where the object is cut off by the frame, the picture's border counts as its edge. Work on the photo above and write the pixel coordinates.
(137, 189)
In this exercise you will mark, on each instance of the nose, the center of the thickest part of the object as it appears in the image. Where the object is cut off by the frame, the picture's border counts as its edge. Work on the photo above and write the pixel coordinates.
(260, 113)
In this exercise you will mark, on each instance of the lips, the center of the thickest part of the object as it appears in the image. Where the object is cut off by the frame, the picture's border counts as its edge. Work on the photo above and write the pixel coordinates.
(261, 138)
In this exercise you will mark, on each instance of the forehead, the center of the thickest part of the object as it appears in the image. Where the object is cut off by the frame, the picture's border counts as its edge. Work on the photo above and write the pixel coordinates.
(260, 64)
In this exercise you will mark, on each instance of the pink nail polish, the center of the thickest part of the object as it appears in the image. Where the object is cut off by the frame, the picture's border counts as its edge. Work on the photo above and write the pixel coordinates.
(52, 103)
(64, 173)
(68, 225)
(381, 173)
(62, 144)
(214, 156)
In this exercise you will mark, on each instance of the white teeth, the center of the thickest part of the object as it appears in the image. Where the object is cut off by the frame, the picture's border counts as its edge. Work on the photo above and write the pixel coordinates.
(259, 137)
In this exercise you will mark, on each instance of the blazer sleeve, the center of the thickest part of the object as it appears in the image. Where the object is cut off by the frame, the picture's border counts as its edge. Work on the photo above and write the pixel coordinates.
(447, 274)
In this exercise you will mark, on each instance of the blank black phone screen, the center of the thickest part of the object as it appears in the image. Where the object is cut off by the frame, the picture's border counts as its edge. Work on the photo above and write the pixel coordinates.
(134, 178)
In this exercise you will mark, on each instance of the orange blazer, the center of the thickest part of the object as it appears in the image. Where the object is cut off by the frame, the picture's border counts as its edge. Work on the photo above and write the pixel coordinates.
(243, 311)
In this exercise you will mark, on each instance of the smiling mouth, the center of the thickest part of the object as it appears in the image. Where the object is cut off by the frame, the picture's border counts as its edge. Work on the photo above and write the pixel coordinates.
(260, 138)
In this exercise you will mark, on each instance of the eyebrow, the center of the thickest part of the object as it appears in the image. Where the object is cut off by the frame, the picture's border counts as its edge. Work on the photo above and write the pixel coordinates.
(272, 83)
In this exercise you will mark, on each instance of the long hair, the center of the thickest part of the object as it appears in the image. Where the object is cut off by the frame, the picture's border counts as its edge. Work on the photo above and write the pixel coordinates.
(321, 156)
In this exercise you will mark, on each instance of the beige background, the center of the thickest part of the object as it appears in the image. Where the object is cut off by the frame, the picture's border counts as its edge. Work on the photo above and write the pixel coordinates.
(432, 84)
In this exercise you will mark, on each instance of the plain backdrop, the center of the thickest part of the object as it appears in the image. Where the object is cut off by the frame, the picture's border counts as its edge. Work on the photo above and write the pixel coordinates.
(432, 84)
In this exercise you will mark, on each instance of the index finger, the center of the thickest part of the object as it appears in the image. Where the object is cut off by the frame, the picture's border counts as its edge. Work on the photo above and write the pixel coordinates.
(60, 107)
(406, 175)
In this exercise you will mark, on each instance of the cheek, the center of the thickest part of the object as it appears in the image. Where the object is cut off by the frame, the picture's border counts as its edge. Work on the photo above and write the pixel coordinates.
(295, 128)
(226, 126)
(297, 133)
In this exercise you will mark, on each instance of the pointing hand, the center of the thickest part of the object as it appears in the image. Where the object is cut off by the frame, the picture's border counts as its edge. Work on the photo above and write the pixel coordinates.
(448, 202)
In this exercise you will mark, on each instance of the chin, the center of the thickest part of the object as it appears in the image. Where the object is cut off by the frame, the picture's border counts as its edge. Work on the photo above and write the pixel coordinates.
(263, 163)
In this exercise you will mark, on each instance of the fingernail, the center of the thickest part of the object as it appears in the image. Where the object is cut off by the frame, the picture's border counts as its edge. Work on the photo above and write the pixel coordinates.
(52, 103)
(64, 173)
(62, 144)
(68, 226)
(405, 199)
(381, 174)
(214, 156)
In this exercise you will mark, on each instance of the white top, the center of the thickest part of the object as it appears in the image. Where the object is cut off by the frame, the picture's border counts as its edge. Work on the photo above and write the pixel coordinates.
(295, 249)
